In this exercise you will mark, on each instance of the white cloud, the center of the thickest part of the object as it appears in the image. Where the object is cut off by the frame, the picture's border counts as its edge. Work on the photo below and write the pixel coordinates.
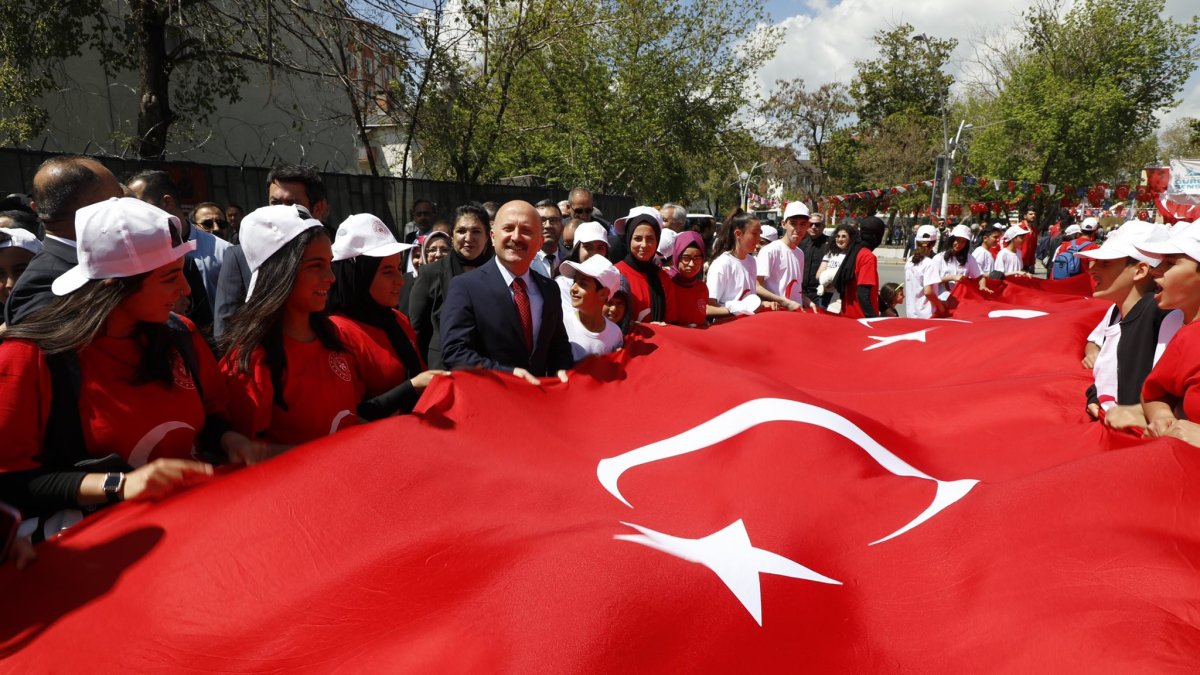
(822, 44)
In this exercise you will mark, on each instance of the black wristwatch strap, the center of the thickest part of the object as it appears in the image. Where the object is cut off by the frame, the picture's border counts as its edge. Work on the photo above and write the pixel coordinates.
(113, 484)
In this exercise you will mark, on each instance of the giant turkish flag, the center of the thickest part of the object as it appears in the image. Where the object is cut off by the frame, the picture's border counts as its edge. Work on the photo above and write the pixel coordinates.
(908, 496)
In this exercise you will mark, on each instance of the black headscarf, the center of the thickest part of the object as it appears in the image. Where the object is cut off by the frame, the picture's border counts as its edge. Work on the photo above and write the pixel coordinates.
(870, 234)
(649, 269)
(458, 262)
(351, 297)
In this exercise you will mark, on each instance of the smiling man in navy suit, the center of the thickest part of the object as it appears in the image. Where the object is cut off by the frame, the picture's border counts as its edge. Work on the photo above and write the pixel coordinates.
(502, 317)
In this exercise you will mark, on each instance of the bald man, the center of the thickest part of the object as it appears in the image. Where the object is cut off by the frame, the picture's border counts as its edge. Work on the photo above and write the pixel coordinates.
(501, 316)
(61, 186)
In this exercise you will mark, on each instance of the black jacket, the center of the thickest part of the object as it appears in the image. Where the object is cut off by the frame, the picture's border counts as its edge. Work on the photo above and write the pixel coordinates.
(32, 291)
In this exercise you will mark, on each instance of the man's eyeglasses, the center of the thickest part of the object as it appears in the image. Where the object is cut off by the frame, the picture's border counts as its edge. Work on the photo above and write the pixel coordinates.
(552, 219)
(213, 223)
(582, 209)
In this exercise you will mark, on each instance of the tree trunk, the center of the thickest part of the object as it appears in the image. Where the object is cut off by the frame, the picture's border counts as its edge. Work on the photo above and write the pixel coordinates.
(154, 106)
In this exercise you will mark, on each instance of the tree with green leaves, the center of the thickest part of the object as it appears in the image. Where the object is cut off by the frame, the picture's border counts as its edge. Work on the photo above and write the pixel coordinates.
(1082, 91)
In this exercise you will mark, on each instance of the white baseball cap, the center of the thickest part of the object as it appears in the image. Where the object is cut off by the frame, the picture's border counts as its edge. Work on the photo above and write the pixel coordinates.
(1015, 231)
(961, 231)
(637, 214)
(769, 233)
(1184, 240)
(589, 232)
(18, 238)
(122, 237)
(364, 234)
(1125, 241)
(794, 209)
(1072, 229)
(268, 229)
(666, 243)
(927, 233)
(597, 267)
(1090, 224)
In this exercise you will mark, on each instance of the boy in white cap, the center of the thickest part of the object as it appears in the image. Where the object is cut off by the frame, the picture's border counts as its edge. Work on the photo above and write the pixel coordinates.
(781, 263)
(1136, 332)
(1008, 260)
(1066, 262)
(17, 248)
(592, 283)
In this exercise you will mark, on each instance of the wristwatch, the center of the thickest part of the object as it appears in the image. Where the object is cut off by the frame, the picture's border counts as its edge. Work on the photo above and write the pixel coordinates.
(114, 487)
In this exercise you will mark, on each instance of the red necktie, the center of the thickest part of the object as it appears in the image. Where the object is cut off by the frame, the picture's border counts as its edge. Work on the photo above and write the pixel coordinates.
(521, 297)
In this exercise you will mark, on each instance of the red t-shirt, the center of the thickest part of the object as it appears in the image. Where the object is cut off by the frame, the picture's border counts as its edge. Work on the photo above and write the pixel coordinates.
(382, 369)
(1029, 247)
(639, 290)
(139, 422)
(322, 390)
(1175, 379)
(687, 304)
(866, 273)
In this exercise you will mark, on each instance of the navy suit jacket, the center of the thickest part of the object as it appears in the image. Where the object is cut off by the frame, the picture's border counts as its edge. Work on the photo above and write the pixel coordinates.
(232, 282)
(32, 291)
(481, 329)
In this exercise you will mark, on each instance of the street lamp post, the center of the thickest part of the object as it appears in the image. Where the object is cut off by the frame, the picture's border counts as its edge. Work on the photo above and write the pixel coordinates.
(744, 183)
(946, 152)
(948, 168)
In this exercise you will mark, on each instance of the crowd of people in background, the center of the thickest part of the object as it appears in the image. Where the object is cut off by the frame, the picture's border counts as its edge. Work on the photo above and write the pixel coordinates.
(145, 343)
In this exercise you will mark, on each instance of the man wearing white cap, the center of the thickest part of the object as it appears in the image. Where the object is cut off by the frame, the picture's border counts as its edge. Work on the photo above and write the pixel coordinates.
(592, 283)
(781, 262)
(1008, 260)
(17, 248)
(1137, 331)
(1066, 262)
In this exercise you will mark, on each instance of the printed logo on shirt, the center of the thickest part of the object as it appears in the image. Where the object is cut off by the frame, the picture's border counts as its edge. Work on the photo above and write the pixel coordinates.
(179, 372)
(339, 366)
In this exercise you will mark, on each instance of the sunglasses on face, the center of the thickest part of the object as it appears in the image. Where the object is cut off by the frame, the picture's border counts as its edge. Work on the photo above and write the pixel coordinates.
(214, 223)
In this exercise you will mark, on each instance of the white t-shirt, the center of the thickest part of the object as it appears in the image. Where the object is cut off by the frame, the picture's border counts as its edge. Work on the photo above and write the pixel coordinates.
(1008, 262)
(585, 343)
(564, 290)
(983, 258)
(731, 279)
(945, 268)
(916, 278)
(782, 269)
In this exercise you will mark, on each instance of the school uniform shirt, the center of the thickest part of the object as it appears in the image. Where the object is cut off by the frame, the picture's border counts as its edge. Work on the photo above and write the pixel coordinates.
(983, 259)
(731, 279)
(382, 369)
(782, 270)
(322, 390)
(916, 278)
(1008, 262)
(585, 343)
(639, 290)
(139, 422)
(866, 273)
(1176, 376)
(1131, 347)
(944, 268)
(688, 303)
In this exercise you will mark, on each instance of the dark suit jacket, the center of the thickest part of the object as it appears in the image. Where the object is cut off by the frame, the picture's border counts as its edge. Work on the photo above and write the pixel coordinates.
(232, 283)
(480, 327)
(32, 291)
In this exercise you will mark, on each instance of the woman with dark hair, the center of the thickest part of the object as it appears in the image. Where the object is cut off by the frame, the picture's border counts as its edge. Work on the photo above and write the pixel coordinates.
(957, 263)
(367, 265)
(857, 279)
(106, 392)
(649, 284)
(689, 295)
(843, 238)
(920, 276)
(432, 247)
(732, 280)
(292, 374)
(472, 248)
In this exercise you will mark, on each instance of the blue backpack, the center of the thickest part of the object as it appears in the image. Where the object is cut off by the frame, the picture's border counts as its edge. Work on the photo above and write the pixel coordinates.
(1067, 264)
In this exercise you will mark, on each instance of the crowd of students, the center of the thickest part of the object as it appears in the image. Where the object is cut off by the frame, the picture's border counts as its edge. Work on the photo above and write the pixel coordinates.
(123, 380)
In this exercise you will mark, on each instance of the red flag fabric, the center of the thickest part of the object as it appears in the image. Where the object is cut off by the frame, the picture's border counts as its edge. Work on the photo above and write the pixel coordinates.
(921, 495)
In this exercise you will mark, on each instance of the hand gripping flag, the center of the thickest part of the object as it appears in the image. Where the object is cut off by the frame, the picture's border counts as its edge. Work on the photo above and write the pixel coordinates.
(782, 493)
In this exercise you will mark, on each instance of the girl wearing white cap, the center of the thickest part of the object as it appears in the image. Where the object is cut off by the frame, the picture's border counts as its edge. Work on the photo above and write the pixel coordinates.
(292, 374)
(1174, 383)
(17, 248)
(921, 276)
(107, 393)
(367, 264)
(956, 263)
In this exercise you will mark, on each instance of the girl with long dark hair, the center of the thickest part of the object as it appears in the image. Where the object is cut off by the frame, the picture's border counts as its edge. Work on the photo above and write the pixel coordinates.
(108, 395)
(649, 284)
(472, 248)
(920, 276)
(843, 237)
(733, 274)
(367, 265)
(957, 263)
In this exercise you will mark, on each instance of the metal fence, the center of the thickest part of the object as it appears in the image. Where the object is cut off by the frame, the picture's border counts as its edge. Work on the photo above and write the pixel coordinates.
(388, 198)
